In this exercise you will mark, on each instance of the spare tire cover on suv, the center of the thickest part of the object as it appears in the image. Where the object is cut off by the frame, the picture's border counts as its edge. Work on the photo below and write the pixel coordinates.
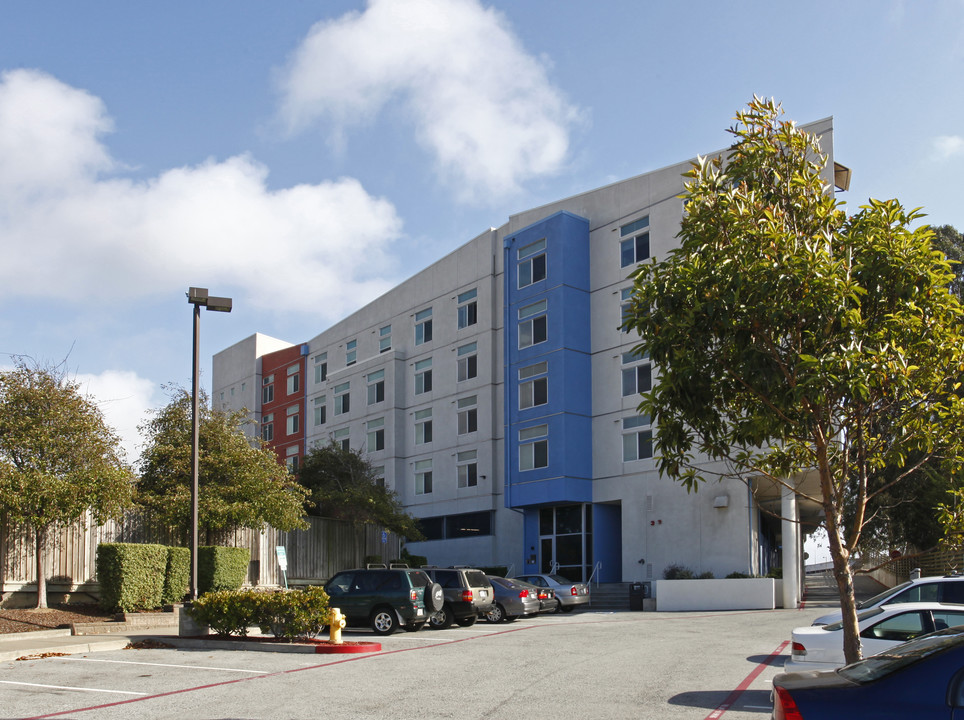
(434, 598)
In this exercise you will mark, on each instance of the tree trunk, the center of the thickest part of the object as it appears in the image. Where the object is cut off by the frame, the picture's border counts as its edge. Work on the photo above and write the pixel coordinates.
(848, 603)
(40, 542)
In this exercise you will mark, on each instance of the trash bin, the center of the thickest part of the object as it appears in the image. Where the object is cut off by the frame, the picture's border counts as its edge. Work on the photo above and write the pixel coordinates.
(636, 595)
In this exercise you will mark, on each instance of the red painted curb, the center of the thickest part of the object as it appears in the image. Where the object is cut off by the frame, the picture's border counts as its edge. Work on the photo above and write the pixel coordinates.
(327, 648)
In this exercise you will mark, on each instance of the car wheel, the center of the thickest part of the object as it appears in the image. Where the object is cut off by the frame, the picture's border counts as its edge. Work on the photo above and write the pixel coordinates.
(566, 608)
(560, 608)
(511, 618)
(434, 598)
(414, 627)
(496, 614)
(441, 619)
(467, 621)
(384, 621)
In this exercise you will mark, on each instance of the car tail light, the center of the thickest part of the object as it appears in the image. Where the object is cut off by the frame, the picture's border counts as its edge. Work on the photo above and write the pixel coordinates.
(523, 593)
(797, 649)
(573, 591)
(414, 594)
(543, 595)
(784, 708)
(467, 596)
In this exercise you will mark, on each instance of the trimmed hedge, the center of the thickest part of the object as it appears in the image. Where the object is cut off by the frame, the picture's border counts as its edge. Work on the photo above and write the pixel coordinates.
(177, 577)
(287, 614)
(131, 576)
(221, 568)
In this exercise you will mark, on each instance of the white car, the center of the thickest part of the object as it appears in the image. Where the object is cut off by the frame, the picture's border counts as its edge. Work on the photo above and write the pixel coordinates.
(946, 589)
(820, 647)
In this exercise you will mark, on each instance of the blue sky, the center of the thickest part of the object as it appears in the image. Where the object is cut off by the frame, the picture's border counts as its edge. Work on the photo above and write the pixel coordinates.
(146, 148)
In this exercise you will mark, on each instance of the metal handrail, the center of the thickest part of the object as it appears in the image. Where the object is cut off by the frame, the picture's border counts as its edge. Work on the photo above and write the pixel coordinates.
(509, 572)
(555, 568)
(597, 566)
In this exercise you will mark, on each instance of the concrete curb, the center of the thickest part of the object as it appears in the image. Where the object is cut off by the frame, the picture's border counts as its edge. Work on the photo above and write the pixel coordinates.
(13, 651)
(34, 635)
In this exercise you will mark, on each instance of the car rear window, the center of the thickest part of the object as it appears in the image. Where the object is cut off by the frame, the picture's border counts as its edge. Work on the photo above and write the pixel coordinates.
(419, 579)
(953, 592)
(477, 578)
(448, 578)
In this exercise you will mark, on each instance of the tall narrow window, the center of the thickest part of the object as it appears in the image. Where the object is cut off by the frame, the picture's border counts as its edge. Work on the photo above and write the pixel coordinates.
(423, 426)
(638, 378)
(634, 242)
(637, 440)
(385, 339)
(320, 410)
(423, 326)
(342, 398)
(321, 367)
(293, 379)
(293, 424)
(533, 389)
(423, 477)
(267, 390)
(468, 366)
(291, 459)
(468, 310)
(625, 308)
(467, 468)
(267, 427)
(351, 352)
(342, 438)
(534, 447)
(532, 324)
(376, 387)
(468, 415)
(378, 472)
(376, 434)
(532, 265)
(423, 376)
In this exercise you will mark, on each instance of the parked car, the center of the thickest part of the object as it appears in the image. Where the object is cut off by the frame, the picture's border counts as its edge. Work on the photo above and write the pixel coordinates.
(385, 599)
(569, 594)
(547, 596)
(513, 600)
(820, 647)
(921, 679)
(468, 596)
(946, 589)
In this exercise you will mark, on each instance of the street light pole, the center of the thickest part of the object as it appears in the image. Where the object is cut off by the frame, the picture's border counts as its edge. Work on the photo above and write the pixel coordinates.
(198, 297)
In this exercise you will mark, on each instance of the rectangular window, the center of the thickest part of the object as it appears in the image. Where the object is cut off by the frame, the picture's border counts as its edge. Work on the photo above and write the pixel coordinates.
(532, 267)
(378, 472)
(634, 242)
(342, 398)
(532, 325)
(267, 427)
(534, 447)
(468, 366)
(376, 387)
(376, 434)
(291, 459)
(293, 379)
(423, 376)
(385, 339)
(625, 308)
(533, 390)
(423, 326)
(342, 438)
(267, 390)
(351, 352)
(293, 424)
(321, 367)
(467, 468)
(637, 380)
(468, 524)
(423, 426)
(423, 477)
(637, 443)
(468, 310)
(320, 410)
(468, 416)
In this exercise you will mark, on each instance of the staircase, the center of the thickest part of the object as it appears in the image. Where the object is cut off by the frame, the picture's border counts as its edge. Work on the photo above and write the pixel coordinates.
(609, 596)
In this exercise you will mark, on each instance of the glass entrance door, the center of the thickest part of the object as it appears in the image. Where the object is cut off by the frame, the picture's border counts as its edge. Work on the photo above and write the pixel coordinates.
(565, 540)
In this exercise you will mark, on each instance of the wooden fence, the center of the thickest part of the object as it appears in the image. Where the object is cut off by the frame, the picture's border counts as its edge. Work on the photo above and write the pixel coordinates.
(313, 555)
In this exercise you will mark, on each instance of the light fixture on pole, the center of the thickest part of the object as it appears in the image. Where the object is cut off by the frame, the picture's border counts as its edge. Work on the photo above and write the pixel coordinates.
(198, 297)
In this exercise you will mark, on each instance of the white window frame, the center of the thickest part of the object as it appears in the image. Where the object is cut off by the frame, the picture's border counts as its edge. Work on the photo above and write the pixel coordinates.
(423, 477)
(531, 317)
(342, 438)
(321, 367)
(292, 421)
(468, 415)
(385, 338)
(267, 390)
(342, 394)
(423, 376)
(532, 262)
(320, 408)
(467, 468)
(376, 434)
(637, 438)
(351, 352)
(634, 242)
(468, 309)
(533, 448)
(423, 326)
(529, 377)
(467, 362)
(376, 387)
(267, 427)
(423, 426)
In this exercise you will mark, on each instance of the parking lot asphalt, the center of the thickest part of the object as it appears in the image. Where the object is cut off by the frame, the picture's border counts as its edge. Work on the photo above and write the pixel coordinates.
(586, 664)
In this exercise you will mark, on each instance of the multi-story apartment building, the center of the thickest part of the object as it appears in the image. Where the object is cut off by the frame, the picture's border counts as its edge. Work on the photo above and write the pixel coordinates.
(497, 395)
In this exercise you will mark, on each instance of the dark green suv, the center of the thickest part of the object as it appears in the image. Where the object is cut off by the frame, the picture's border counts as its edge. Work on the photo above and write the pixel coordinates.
(385, 599)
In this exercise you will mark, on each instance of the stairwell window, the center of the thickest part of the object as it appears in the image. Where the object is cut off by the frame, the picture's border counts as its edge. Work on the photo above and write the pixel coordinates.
(534, 447)
(532, 324)
(532, 265)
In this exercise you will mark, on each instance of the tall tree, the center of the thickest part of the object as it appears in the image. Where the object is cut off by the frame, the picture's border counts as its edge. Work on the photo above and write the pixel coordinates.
(343, 484)
(240, 482)
(58, 457)
(791, 338)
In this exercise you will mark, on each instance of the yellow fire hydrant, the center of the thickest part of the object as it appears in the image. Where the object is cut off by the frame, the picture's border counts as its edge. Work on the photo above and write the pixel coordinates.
(336, 623)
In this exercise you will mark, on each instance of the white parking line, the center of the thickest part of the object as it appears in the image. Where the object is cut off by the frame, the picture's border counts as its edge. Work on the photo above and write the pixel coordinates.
(65, 687)
(170, 665)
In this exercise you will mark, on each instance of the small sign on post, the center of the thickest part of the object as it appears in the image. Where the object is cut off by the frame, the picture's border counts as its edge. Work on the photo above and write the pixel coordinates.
(282, 562)
(384, 536)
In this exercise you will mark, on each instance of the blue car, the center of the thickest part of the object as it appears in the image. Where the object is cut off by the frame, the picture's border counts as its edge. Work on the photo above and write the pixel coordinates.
(922, 679)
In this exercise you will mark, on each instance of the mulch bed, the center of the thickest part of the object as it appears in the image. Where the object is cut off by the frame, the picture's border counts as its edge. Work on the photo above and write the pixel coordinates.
(18, 620)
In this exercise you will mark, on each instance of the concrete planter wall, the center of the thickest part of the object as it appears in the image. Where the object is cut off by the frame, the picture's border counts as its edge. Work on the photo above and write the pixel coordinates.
(727, 594)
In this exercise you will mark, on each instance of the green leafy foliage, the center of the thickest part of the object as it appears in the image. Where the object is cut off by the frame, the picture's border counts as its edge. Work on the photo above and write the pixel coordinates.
(287, 614)
(222, 568)
(228, 612)
(177, 575)
(241, 483)
(131, 576)
(791, 338)
(342, 484)
(58, 457)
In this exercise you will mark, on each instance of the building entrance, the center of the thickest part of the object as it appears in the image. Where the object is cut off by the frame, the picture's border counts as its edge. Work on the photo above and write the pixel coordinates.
(565, 541)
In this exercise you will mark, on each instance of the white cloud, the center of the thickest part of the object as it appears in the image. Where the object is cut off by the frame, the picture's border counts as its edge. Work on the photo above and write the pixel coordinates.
(479, 102)
(124, 399)
(947, 146)
(72, 232)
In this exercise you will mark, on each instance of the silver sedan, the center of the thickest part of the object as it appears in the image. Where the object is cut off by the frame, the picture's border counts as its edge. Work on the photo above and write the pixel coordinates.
(569, 594)
(512, 600)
